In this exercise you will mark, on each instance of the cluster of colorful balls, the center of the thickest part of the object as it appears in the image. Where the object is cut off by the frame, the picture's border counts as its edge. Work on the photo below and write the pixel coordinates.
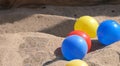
(78, 42)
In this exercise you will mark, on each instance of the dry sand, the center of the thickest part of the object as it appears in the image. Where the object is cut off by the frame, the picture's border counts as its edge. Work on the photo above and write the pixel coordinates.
(30, 36)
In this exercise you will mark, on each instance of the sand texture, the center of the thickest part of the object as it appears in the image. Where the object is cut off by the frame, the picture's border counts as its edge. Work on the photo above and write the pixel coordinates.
(33, 36)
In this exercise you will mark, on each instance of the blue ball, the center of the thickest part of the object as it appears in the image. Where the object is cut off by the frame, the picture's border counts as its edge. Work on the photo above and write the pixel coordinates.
(108, 32)
(74, 47)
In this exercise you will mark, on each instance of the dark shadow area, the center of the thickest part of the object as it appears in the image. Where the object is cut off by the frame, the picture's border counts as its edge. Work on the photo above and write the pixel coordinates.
(51, 61)
(2, 8)
(61, 29)
(96, 45)
(8, 18)
(11, 15)
(58, 52)
(58, 55)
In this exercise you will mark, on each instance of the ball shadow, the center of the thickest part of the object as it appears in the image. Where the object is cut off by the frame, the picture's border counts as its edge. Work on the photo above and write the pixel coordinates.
(58, 55)
(96, 45)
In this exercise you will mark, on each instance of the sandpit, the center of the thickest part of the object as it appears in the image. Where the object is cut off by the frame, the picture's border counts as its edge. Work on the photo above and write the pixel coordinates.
(33, 36)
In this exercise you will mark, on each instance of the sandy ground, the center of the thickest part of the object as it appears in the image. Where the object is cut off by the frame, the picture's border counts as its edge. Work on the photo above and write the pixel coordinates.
(53, 20)
(56, 20)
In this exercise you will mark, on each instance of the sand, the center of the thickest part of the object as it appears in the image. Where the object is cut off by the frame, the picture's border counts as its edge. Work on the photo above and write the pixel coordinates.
(22, 29)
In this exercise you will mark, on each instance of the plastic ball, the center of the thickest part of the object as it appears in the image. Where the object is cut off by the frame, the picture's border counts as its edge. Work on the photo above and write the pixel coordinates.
(83, 35)
(77, 63)
(108, 32)
(88, 25)
(74, 47)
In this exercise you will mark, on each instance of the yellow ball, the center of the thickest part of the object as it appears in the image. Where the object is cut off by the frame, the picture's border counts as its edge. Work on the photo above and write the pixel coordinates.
(87, 24)
(77, 63)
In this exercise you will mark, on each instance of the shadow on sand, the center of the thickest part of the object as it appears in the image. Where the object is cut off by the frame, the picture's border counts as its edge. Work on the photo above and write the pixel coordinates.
(96, 45)
(9, 15)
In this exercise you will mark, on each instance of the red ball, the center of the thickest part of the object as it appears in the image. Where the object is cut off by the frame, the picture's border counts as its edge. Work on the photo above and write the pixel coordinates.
(83, 35)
